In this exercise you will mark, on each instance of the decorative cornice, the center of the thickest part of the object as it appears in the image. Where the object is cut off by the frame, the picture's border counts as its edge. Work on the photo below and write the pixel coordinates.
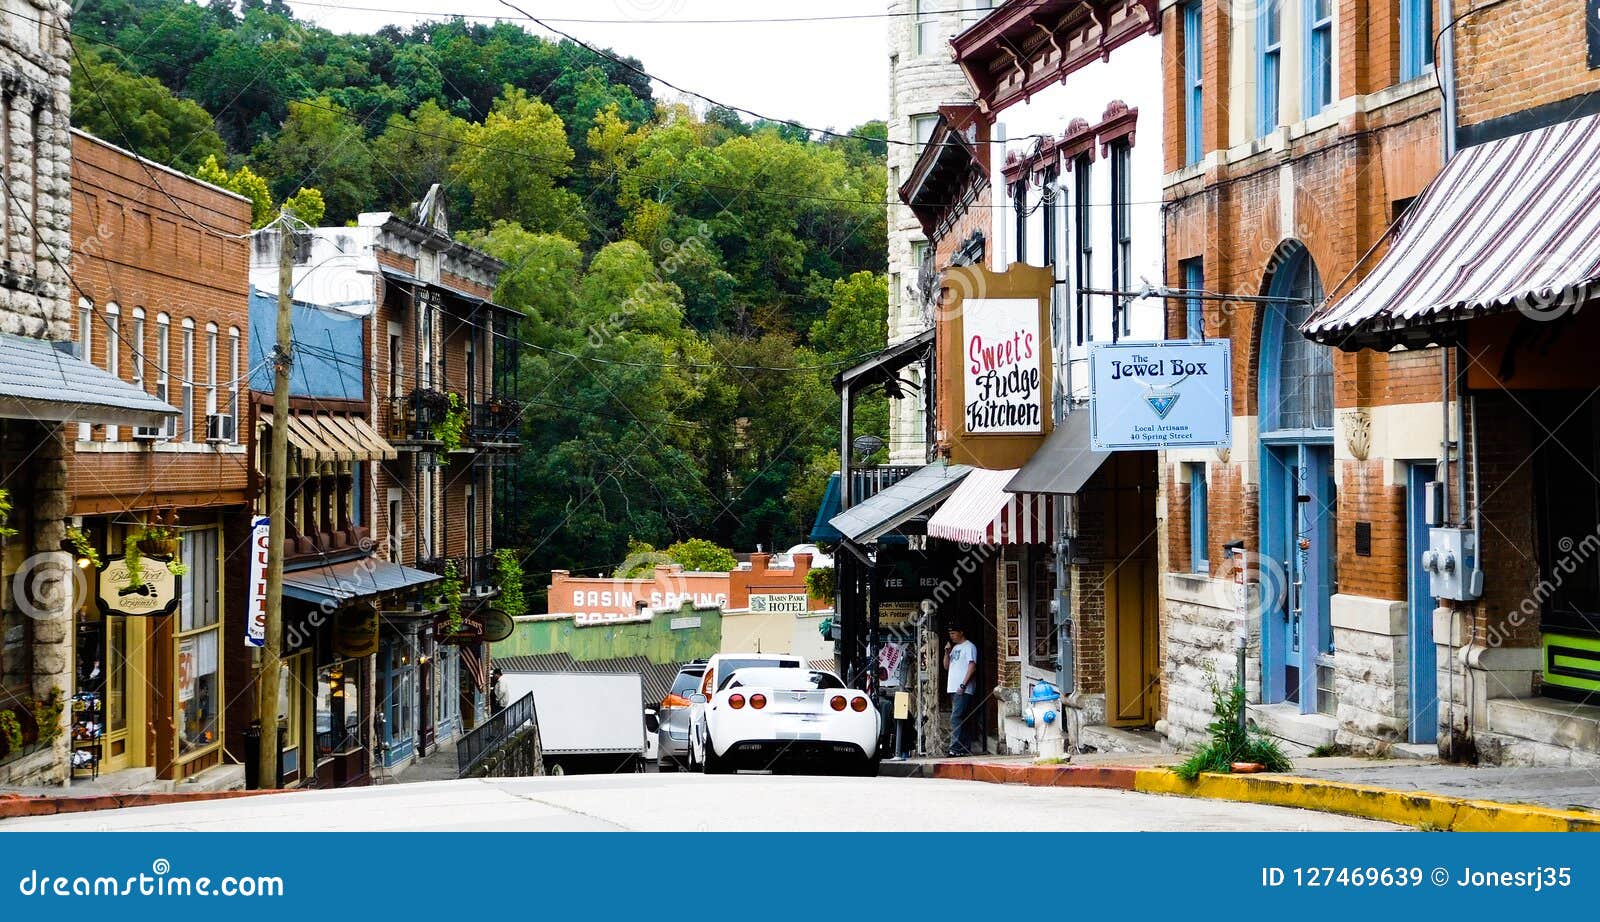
(1116, 124)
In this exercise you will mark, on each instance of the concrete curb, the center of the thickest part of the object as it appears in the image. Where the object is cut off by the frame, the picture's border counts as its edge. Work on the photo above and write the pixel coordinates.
(13, 806)
(1420, 809)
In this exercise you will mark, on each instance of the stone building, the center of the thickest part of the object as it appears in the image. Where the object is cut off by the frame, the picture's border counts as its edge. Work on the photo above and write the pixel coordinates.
(43, 383)
(1297, 137)
(1497, 267)
(922, 77)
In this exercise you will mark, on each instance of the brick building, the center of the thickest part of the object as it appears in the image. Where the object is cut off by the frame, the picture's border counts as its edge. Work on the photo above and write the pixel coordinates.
(43, 384)
(1296, 136)
(404, 344)
(1497, 268)
(161, 270)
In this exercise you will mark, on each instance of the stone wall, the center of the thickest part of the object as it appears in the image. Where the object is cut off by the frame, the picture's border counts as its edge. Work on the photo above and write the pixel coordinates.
(1371, 671)
(1201, 621)
(918, 84)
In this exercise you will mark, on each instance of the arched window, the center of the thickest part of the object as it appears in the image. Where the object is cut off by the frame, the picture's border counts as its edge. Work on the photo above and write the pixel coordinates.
(1301, 370)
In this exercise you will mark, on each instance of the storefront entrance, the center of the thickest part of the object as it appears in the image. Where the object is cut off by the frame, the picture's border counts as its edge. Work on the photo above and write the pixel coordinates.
(113, 688)
(1127, 485)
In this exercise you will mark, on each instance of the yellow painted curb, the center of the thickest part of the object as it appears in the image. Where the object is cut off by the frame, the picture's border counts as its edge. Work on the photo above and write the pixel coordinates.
(1409, 808)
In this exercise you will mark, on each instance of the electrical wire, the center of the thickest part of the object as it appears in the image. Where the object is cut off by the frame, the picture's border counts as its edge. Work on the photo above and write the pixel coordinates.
(629, 65)
(645, 21)
(366, 123)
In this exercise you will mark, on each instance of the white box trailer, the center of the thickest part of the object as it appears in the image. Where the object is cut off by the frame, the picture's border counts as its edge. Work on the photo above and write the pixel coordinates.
(588, 721)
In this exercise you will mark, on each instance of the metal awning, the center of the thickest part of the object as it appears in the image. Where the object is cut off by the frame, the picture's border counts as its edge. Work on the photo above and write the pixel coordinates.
(887, 510)
(406, 278)
(821, 531)
(886, 363)
(980, 511)
(1512, 223)
(41, 379)
(1064, 463)
(338, 583)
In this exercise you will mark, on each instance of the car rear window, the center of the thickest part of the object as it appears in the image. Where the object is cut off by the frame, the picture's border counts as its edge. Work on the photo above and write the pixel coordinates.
(727, 667)
(796, 679)
(687, 681)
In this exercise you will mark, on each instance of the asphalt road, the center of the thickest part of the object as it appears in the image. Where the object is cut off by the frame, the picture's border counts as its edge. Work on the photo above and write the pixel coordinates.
(693, 802)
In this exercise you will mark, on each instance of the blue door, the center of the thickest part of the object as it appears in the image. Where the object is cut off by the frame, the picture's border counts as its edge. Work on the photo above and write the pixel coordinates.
(1421, 603)
(1298, 499)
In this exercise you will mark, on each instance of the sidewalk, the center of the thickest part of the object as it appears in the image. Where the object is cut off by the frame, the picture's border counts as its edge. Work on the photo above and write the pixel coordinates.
(1425, 795)
(438, 765)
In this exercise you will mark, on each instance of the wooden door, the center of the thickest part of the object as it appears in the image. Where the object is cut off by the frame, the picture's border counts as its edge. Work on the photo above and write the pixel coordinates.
(1132, 671)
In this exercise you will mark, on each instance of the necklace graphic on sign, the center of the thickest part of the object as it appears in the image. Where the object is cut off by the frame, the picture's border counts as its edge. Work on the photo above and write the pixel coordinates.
(1161, 398)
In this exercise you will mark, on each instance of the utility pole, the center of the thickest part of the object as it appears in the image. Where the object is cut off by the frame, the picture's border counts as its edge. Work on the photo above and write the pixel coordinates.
(272, 648)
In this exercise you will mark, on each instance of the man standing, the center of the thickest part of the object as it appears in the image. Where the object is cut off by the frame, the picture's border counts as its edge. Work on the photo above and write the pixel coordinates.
(961, 668)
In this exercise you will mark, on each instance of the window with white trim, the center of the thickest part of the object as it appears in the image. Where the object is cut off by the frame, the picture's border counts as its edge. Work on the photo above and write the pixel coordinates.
(113, 352)
(86, 351)
(163, 366)
(186, 424)
(926, 26)
(233, 380)
(922, 127)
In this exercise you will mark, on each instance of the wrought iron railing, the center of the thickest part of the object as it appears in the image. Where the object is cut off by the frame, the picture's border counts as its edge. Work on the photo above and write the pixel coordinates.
(868, 481)
(497, 419)
(503, 731)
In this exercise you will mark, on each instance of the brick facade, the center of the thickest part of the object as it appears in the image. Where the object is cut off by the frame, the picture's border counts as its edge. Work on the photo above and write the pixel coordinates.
(1331, 184)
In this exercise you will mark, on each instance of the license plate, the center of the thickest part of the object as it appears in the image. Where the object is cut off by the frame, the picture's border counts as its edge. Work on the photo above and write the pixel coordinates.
(798, 735)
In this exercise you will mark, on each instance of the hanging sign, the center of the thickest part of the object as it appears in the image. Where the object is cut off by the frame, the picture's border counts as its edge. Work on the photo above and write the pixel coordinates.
(1003, 367)
(154, 592)
(255, 630)
(1155, 395)
(355, 631)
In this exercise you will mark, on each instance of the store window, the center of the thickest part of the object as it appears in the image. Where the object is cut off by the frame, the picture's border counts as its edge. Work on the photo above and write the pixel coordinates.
(1199, 528)
(338, 710)
(199, 674)
(400, 717)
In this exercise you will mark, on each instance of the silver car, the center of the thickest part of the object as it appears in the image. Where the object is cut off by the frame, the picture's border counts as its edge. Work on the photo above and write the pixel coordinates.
(673, 718)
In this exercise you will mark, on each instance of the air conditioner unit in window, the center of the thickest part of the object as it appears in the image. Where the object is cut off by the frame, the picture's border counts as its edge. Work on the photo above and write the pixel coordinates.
(149, 433)
(219, 427)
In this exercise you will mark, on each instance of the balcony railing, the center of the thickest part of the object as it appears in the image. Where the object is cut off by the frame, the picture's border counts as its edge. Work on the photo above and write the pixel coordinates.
(504, 746)
(497, 420)
(867, 482)
(476, 573)
(412, 416)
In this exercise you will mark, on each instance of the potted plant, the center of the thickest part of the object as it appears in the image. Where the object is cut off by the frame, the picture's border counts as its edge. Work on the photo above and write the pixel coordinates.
(153, 540)
(451, 427)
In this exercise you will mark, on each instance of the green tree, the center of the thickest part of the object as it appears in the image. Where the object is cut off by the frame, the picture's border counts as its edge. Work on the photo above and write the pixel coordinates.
(702, 556)
(140, 113)
(512, 163)
(415, 151)
(307, 205)
(247, 183)
(320, 145)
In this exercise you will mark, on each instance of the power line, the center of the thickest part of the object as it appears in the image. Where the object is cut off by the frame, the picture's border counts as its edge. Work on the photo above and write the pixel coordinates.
(365, 122)
(629, 65)
(645, 21)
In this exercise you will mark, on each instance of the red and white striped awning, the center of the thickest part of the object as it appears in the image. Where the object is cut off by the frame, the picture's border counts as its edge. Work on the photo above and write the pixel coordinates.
(980, 511)
(1511, 223)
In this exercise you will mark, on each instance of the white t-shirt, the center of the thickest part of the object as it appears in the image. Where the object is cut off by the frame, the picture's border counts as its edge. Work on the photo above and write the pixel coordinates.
(962, 655)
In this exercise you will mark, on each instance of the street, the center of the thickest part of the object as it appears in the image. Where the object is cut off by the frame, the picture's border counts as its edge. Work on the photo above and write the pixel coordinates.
(678, 803)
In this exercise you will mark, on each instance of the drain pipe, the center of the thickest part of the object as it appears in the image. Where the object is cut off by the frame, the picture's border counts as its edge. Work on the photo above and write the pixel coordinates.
(1445, 66)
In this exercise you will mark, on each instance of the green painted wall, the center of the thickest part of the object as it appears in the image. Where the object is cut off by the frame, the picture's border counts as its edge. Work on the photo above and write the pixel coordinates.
(654, 639)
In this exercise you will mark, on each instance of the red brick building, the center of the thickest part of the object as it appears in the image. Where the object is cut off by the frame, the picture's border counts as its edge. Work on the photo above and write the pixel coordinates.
(161, 265)
(1295, 139)
(402, 343)
(1499, 264)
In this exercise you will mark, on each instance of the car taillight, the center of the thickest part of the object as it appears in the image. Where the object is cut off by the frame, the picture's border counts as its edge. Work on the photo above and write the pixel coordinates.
(858, 704)
(674, 701)
(736, 701)
(837, 702)
(758, 701)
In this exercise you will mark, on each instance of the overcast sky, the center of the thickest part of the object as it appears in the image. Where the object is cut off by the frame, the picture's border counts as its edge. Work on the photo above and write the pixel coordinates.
(831, 74)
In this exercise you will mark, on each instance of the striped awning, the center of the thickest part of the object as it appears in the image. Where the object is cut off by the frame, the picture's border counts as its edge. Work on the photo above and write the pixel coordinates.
(1508, 224)
(980, 511)
(332, 437)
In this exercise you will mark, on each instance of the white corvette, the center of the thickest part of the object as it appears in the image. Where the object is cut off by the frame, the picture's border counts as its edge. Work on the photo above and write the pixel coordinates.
(765, 717)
